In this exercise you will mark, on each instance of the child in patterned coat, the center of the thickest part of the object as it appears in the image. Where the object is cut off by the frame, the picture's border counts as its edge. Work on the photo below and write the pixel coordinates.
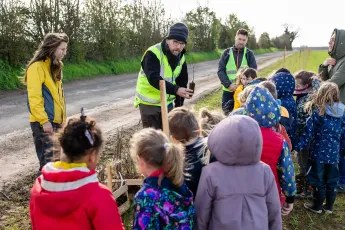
(306, 85)
(285, 84)
(263, 108)
(164, 201)
(324, 131)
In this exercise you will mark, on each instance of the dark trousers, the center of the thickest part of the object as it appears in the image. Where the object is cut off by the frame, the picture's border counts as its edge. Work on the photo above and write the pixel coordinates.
(227, 102)
(323, 176)
(151, 116)
(44, 143)
(324, 180)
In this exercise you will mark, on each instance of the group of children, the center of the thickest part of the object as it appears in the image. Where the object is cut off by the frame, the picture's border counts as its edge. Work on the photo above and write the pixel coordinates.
(213, 172)
(312, 123)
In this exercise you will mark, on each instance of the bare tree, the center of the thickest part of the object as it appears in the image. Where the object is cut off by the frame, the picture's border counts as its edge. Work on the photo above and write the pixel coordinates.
(291, 33)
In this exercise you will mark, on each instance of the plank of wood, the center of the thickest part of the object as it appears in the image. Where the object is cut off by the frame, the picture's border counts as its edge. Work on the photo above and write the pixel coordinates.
(164, 108)
(109, 177)
(130, 182)
(120, 191)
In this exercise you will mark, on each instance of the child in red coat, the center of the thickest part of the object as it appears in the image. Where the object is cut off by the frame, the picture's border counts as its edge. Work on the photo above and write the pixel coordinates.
(68, 195)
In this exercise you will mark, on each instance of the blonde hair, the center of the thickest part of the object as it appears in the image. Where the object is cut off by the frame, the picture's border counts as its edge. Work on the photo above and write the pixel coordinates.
(242, 96)
(208, 120)
(46, 50)
(239, 74)
(154, 148)
(327, 94)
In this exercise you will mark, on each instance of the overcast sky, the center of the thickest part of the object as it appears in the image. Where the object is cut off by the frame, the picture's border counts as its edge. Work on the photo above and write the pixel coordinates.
(316, 19)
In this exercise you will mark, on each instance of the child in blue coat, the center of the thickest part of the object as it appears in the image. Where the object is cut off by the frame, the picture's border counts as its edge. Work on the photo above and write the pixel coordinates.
(285, 84)
(324, 131)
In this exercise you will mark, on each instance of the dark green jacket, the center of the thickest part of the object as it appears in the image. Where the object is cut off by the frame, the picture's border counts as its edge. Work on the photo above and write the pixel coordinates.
(336, 74)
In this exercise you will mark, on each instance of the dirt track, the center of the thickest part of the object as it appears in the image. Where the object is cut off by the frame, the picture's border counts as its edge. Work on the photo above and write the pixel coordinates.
(107, 99)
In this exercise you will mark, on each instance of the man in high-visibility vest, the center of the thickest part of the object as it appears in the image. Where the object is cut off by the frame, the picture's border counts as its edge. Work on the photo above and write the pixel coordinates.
(232, 59)
(163, 61)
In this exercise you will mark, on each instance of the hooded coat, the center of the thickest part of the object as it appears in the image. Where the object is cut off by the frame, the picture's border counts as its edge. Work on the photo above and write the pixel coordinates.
(238, 191)
(262, 107)
(336, 74)
(285, 84)
(325, 134)
(72, 198)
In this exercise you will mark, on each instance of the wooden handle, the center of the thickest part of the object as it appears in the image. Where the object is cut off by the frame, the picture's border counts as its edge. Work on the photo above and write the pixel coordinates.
(109, 177)
(164, 108)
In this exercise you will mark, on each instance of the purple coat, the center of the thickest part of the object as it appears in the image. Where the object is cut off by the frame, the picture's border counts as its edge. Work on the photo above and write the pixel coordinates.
(238, 191)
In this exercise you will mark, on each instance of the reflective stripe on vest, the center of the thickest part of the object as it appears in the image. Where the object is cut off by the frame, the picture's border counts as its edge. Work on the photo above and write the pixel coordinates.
(146, 93)
(142, 97)
(231, 68)
(169, 79)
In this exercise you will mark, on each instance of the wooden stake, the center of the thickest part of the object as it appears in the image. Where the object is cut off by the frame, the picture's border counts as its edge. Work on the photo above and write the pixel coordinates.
(109, 177)
(164, 108)
(284, 55)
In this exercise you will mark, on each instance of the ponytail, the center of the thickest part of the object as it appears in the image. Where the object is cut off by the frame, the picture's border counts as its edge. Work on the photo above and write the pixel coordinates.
(173, 163)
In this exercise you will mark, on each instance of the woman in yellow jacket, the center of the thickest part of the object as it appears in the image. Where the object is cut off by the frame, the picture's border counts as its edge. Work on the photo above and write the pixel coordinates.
(46, 102)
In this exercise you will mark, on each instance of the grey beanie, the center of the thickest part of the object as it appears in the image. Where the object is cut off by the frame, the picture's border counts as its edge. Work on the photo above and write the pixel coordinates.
(178, 31)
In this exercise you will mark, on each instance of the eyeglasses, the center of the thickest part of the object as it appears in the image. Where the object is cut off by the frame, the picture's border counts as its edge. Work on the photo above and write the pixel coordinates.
(177, 43)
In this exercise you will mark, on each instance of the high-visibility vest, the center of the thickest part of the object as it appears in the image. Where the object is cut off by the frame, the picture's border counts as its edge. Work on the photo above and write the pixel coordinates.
(231, 68)
(146, 93)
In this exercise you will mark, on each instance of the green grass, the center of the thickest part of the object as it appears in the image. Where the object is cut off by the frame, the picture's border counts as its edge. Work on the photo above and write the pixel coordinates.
(297, 61)
(307, 60)
(299, 219)
(8, 77)
(89, 69)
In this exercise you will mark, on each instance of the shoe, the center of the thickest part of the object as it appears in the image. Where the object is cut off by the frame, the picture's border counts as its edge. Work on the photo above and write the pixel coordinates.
(324, 208)
(330, 199)
(311, 207)
(318, 199)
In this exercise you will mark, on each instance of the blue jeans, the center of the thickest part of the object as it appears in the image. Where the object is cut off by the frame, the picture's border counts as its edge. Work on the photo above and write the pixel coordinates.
(323, 176)
(342, 170)
(227, 102)
(43, 143)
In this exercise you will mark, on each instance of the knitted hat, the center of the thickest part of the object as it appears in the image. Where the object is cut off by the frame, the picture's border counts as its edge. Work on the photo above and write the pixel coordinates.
(178, 31)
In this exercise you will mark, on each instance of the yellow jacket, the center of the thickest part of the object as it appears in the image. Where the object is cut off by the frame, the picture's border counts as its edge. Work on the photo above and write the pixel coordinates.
(46, 100)
(237, 91)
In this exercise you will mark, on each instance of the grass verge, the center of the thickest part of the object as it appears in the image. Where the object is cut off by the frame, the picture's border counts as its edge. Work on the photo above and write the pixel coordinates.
(307, 60)
(89, 69)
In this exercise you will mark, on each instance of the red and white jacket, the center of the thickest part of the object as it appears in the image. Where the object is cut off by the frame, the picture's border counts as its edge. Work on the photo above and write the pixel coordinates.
(69, 196)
